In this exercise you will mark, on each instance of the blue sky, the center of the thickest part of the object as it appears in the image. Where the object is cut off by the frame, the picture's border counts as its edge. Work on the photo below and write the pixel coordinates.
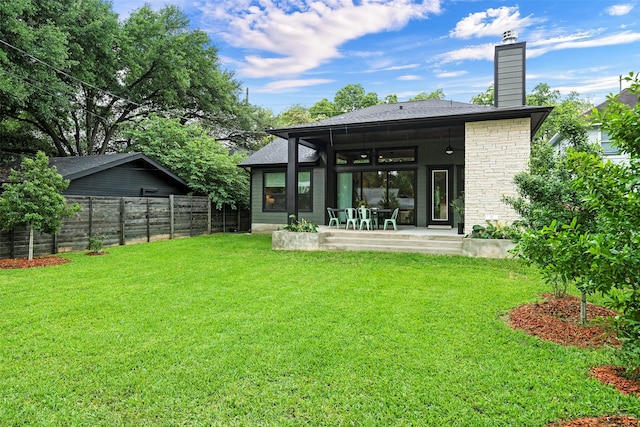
(290, 52)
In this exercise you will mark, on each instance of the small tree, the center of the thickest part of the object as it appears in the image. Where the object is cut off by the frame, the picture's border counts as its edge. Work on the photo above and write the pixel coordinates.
(547, 203)
(33, 198)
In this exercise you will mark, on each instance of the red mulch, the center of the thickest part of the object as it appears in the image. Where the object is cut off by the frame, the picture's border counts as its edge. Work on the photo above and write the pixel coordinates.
(558, 320)
(36, 262)
(605, 421)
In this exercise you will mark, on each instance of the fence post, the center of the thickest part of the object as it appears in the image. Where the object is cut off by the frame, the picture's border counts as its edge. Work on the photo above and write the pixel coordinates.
(209, 215)
(171, 217)
(224, 218)
(90, 216)
(122, 221)
(148, 222)
(190, 215)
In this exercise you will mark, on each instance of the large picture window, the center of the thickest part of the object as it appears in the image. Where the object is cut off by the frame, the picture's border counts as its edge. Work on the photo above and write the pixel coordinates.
(275, 191)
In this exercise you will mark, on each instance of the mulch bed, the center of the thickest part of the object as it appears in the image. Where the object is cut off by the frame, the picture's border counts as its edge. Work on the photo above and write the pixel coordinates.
(558, 320)
(36, 262)
(605, 421)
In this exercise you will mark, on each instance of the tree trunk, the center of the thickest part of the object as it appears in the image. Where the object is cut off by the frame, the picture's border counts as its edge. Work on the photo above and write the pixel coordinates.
(583, 309)
(30, 241)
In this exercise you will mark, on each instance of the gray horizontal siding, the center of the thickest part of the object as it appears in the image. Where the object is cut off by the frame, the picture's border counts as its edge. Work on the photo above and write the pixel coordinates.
(260, 217)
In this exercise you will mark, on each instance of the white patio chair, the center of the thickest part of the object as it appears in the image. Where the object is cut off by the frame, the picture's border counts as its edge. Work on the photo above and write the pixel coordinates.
(352, 217)
(365, 218)
(392, 220)
(333, 218)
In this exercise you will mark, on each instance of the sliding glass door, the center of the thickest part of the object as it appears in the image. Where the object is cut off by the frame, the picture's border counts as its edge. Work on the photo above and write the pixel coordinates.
(379, 189)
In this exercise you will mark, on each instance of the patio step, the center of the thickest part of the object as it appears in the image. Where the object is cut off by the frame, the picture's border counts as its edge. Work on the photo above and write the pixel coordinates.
(391, 241)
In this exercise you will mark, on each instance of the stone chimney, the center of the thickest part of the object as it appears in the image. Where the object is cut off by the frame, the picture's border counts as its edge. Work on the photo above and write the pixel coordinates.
(509, 71)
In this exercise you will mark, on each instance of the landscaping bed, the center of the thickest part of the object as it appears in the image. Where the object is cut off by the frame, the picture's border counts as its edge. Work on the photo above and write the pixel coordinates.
(558, 320)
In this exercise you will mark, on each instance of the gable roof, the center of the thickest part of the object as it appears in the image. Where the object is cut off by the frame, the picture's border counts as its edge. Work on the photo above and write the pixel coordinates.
(427, 112)
(80, 166)
(625, 97)
(276, 153)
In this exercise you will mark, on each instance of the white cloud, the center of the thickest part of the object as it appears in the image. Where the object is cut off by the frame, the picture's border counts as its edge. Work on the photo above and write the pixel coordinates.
(401, 67)
(482, 52)
(291, 85)
(539, 47)
(492, 22)
(410, 78)
(619, 9)
(450, 74)
(300, 34)
(544, 46)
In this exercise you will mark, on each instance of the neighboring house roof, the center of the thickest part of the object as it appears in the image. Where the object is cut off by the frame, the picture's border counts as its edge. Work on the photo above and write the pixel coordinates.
(430, 111)
(625, 97)
(79, 166)
(276, 152)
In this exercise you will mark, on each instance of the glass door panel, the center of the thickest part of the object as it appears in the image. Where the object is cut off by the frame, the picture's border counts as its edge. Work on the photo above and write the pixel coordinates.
(401, 195)
(439, 195)
(373, 188)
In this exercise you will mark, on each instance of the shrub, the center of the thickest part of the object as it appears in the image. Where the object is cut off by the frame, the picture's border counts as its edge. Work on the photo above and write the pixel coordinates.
(302, 226)
(96, 243)
(495, 230)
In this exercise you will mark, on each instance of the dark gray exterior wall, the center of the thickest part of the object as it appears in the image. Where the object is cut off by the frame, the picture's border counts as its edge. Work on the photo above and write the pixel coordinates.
(132, 179)
(317, 216)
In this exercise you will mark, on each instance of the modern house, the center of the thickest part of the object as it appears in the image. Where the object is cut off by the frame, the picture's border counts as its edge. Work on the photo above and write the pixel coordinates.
(597, 134)
(418, 156)
(118, 175)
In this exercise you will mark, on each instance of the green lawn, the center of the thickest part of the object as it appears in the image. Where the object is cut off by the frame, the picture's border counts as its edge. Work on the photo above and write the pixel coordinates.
(222, 331)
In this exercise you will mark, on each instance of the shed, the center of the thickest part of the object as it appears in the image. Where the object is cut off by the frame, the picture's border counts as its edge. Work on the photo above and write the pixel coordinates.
(118, 175)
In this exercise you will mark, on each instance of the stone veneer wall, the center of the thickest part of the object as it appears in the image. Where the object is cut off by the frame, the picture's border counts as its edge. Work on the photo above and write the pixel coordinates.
(495, 151)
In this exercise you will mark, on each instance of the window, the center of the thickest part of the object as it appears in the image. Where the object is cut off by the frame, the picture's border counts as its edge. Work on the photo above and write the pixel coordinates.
(402, 155)
(362, 157)
(607, 145)
(304, 191)
(275, 195)
(275, 192)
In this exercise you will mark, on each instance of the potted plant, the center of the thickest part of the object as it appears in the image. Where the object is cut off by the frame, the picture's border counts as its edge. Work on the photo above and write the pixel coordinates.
(458, 207)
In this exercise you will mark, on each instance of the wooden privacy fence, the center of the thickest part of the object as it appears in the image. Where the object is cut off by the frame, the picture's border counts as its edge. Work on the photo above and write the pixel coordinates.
(127, 220)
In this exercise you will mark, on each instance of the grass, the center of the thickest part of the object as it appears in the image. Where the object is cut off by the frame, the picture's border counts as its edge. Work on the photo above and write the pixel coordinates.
(222, 331)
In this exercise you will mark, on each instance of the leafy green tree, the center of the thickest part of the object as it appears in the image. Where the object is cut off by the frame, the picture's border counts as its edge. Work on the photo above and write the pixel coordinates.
(353, 97)
(601, 250)
(249, 130)
(612, 252)
(77, 74)
(422, 96)
(484, 98)
(392, 98)
(295, 115)
(192, 154)
(323, 109)
(547, 201)
(33, 198)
